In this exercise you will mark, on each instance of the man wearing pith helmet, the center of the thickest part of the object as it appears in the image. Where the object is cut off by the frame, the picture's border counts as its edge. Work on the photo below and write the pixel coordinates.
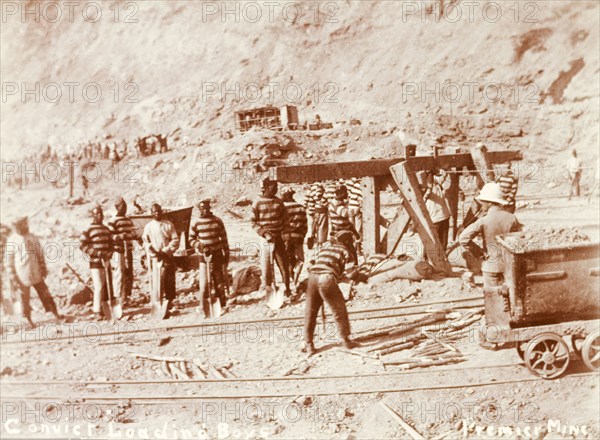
(497, 221)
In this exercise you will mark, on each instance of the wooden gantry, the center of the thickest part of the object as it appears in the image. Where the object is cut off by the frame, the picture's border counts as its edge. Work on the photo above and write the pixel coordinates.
(401, 173)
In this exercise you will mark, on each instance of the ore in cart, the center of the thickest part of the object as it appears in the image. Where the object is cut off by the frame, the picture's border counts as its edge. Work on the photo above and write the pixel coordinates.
(548, 306)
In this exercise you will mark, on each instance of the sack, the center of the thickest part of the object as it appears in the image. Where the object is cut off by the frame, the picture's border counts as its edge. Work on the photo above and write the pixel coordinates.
(245, 280)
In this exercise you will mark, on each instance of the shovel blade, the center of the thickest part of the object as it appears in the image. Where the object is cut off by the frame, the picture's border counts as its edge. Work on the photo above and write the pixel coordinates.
(207, 309)
(107, 310)
(162, 309)
(117, 309)
(274, 298)
(215, 309)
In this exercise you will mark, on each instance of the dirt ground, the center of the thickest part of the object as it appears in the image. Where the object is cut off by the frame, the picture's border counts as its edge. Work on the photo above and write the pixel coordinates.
(528, 81)
(456, 405)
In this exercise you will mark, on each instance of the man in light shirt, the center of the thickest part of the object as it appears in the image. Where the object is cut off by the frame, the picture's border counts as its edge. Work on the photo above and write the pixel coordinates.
(27, 269)
(161, 241)
(437, 206)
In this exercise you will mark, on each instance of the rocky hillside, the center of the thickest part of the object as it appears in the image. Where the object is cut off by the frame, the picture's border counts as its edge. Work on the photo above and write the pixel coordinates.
(521, 75)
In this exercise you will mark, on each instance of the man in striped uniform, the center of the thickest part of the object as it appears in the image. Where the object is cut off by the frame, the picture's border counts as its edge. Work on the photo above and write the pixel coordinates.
(340, 222)
(355, 203)
(124, 234)
(161, 241)
(317, 207)
(269, 220)
(293, 236)
(330, 190)
(209, 238)
(330, 265)
(508, 184)
(97, 243)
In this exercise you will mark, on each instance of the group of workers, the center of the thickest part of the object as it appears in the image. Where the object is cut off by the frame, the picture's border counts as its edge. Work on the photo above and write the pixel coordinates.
(282, 225)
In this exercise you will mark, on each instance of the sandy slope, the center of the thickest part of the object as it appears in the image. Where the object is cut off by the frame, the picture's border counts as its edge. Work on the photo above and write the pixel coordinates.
(371, 60)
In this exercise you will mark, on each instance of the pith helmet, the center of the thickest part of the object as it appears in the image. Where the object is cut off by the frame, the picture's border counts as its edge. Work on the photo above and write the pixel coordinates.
(492, 192)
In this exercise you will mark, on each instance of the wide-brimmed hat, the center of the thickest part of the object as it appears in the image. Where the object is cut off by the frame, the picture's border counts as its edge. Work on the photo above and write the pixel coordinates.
(492, 192)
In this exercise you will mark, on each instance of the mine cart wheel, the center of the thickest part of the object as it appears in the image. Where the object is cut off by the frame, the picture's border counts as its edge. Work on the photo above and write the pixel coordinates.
(577, 343)
(590, 351)
(521, 347)
(547, 356)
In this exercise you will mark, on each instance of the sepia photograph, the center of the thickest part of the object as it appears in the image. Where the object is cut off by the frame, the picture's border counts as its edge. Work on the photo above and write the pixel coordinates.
(300, 219)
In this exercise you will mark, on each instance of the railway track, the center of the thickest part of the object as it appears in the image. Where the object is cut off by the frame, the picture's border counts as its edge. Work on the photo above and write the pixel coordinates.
(213, 327)
(169, 391)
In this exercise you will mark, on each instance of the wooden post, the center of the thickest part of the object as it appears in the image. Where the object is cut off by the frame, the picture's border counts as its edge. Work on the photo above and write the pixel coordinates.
(409, 186)
(452, 197)
(370, 208)
(397, 228)
(71, 178)
(482, 164)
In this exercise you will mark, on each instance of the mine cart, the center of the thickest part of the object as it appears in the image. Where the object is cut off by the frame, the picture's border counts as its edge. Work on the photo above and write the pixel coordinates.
(548, 306)
(184, 258)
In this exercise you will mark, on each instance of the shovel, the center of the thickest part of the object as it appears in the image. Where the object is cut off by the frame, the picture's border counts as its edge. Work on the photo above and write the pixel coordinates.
(275, 296)
(158, 306)
(297, 272)
(114, 303)
(211, 304)
(105, 304)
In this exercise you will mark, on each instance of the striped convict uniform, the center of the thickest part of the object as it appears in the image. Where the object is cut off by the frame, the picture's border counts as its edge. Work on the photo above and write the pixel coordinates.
(309, 203)
(297, 223)
(340, 222)
(97, 243)
(354, 193)
(509, 185)
(294, 235)
(124, 233)
(355, 197)
(270, 216)
(323, 286)
(329, 194)
(209, 235)
(331, 259)
(338, 218)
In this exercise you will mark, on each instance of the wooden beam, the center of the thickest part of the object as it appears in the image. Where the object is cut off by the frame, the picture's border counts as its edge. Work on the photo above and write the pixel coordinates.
(381, 167)
(452, 197)
(461, 160)
(370, 215)
(406, 179)
(397, 228)
(483, 164)
(334, 170)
